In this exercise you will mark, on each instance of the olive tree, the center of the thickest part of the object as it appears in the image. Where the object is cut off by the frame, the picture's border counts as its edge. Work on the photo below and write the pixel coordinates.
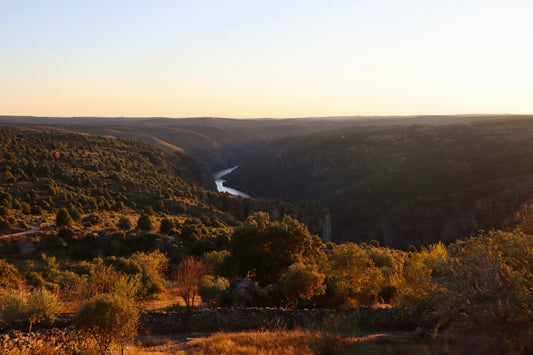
(108, 318)
(302, 281)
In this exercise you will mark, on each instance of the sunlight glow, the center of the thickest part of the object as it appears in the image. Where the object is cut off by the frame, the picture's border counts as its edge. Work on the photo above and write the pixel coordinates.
(246, 59)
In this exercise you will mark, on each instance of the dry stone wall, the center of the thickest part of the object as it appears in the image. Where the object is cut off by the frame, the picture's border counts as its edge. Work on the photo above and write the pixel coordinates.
(235, 319)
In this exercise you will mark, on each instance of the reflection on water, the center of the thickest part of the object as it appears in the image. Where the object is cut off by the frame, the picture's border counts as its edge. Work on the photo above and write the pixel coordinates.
(220, 182)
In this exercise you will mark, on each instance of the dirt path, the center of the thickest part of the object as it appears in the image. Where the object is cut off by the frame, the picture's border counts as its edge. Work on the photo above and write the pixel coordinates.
(33, 229)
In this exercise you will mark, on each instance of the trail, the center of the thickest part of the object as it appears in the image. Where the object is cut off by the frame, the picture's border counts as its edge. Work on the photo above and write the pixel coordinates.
(33, 229)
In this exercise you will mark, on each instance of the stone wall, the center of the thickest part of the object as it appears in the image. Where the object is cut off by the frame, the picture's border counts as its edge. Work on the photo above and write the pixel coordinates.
(46, 341)
(236, 319)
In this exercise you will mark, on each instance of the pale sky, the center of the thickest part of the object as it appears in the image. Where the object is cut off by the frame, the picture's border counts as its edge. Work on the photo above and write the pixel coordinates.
(265, 58)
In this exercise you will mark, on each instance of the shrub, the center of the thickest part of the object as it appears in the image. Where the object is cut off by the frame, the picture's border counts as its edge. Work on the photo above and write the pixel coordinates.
(90, 220)
(144, 222)
(213, 289)
(217, 262)
(486, 285)
(124, 224)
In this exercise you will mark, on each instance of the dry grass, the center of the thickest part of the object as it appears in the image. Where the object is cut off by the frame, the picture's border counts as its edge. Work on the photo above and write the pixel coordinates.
(294, 342)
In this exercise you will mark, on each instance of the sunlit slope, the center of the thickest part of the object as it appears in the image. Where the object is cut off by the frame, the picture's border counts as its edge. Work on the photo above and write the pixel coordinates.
(50, 169)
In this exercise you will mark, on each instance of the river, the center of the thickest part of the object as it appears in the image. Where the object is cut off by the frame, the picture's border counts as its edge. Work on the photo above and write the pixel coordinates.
(220, 182)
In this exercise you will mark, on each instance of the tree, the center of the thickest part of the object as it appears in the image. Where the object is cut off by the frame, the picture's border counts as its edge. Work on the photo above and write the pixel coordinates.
(265, 249)
(40, 305)
(302, 281)
(486, 284)
(167, 226)
(124, 224)
(153, 266)
(63, 218)
(10, 277)
(105, 279)
(352, 276)
(413, 282)
(188, 274)
(144, 223)
(108, 318)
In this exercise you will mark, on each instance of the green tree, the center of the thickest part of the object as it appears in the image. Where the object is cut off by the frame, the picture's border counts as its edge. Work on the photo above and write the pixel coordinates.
(105, 279)
(63, 218)
(40, 305)
(265, 249)
(108, 318)
(124, 224)
(167, 226)
(144, 223)
(302, 281)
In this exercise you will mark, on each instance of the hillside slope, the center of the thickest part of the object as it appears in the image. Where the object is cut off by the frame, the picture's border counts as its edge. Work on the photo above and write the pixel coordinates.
(402, 185)
(43, 169)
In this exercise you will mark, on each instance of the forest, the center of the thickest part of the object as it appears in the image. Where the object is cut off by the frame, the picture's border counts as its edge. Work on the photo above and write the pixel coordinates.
(123, 227)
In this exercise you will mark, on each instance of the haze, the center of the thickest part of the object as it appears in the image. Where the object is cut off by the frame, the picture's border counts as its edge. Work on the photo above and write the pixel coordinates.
(265, 59)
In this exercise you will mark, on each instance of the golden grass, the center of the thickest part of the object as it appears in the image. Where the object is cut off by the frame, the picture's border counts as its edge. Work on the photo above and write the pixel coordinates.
(255, 342)
(293, 342)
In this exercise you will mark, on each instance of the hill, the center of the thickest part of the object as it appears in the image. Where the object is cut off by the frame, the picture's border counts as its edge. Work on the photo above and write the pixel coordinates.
(398, 180)
(43, 169)
(402, 185)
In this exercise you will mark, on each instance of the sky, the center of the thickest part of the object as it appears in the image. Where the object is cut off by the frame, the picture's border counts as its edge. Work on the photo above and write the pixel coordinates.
(248, 58)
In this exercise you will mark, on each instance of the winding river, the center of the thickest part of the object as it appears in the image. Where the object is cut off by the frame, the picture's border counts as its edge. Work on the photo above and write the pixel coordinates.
(218, 176)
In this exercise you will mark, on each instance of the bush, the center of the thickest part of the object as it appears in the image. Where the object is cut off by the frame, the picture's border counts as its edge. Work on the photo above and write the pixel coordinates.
(213, 289)
(124, 224)
(90, 220)
(106, 280)
(144, 223)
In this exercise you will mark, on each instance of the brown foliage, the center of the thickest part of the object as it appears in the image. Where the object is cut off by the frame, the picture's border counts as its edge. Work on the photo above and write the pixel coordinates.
(187, 275)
